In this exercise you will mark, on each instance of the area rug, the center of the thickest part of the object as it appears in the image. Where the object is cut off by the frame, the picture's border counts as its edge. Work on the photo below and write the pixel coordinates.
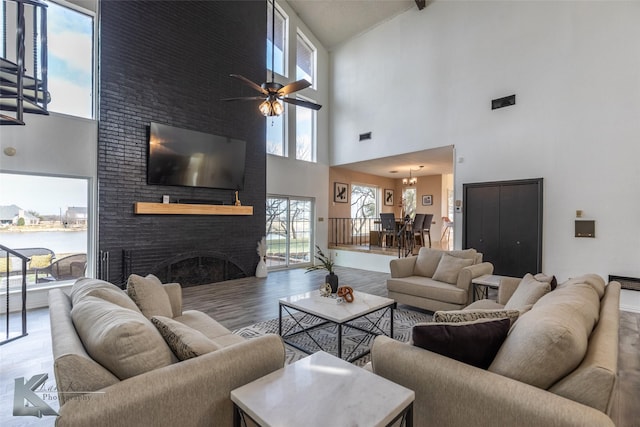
(327, 336)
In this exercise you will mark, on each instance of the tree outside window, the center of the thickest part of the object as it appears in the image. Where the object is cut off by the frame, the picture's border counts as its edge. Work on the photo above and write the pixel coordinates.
(409, 201)
(364, 208)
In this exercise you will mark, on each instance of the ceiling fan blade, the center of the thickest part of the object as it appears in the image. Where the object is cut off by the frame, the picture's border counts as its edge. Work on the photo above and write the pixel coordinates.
(249, 83)
(294, 87)
(245, 98)
(302, 103)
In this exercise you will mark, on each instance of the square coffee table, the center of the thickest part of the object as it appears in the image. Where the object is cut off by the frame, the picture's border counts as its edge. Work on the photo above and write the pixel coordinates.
(329, 311)
(322, 390)
(482, 284)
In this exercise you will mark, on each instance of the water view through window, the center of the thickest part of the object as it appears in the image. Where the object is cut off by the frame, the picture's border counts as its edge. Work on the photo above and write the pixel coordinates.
(48, 216)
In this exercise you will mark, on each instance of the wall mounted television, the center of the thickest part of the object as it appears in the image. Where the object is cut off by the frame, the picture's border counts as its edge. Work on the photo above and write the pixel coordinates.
(194, 159)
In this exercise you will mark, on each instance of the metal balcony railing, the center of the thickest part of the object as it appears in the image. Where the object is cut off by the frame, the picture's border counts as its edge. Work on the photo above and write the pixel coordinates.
(8, 256)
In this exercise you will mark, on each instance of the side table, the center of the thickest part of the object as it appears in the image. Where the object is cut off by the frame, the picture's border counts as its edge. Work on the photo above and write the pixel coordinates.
(322, 390)
(482, 284)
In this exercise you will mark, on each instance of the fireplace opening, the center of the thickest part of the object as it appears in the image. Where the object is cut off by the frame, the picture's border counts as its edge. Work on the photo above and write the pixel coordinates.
(197, 268)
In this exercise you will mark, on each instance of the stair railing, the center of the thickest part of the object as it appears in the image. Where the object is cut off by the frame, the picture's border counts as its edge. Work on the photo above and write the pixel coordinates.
(7, 253)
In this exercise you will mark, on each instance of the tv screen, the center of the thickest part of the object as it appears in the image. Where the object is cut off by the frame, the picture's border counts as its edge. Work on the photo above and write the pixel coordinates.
(194, 159)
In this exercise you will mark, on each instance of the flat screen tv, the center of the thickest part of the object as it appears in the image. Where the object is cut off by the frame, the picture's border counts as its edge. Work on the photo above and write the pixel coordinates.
(194, 159)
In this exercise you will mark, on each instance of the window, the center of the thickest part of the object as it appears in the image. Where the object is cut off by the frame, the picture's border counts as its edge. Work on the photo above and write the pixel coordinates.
(409, 201)
(280, 36)
(288, 231)
(364, 208)
(305, 134)
(52, 214)
(305, 59)
(276, 135)
(70, 61)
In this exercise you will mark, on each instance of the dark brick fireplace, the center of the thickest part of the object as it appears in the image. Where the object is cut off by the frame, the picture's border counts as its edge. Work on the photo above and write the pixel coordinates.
(169, 62)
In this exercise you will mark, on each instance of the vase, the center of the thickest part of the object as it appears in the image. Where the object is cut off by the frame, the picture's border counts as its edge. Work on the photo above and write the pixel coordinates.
(261, 269)
(332, 279)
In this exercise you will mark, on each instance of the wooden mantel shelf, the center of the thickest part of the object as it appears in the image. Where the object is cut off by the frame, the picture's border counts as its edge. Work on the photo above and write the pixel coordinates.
(190, 209)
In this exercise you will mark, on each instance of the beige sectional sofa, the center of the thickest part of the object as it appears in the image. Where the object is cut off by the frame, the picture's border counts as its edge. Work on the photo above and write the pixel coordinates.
(138, 359)
(556, 367)
(435, 279)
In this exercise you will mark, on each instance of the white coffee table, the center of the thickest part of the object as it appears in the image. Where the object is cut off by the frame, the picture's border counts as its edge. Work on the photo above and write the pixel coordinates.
(322, 390)
(342, 315)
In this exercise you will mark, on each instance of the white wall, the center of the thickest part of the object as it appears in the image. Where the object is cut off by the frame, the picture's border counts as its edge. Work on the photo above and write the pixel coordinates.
(426, 79)
(292, 177)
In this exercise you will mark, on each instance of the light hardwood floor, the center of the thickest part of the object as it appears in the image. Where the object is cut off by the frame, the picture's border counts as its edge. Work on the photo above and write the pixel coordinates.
(242, 302)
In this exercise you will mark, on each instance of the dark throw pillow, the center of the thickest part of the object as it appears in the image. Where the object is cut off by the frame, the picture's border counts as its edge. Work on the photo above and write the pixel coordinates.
(475, 343)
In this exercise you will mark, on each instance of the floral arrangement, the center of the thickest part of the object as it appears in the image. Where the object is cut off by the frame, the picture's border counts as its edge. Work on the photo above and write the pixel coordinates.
(261, 249)
(326, 263)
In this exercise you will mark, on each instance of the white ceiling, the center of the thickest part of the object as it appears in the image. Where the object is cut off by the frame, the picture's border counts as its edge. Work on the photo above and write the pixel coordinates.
(436, 161)
(335, 21)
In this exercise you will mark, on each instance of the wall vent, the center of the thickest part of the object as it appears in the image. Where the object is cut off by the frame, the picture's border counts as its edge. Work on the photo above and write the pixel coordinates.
(364, 136)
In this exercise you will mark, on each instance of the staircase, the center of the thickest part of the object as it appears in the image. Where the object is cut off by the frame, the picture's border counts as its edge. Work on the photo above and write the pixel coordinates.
(23, 78)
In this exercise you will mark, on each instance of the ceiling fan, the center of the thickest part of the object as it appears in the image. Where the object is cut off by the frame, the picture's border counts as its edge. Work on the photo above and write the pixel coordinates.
(273, 92)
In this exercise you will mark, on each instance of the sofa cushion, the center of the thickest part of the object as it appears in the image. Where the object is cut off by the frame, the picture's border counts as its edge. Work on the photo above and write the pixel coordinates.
(455, 316)
(149, 296)
(213, 330)
(121, 340)
(115, 296)
(184, 341)
(427, 262)
(550, 340)
(449, 267)
(593, 280)
(528, 292)
(553, 282)
(85, 285)
(425, 287)
(475, 343)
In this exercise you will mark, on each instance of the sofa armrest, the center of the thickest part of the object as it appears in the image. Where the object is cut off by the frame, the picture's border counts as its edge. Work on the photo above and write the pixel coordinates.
(194, 392)
(174, 290)
(402, 267)
(467, 274)
(441, 384)
(506, 288)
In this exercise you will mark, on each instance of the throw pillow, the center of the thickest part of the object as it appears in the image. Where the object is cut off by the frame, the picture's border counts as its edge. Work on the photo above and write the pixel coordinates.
(456, 316)
(185, 342)
(149, 296)
(40, 261)
(528, 292)
(121, 340)
(553, 282)
(4, 263)
(449, 267)
(474, 343)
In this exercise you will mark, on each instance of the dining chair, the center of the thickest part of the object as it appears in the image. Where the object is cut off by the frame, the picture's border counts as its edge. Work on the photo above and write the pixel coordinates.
(426, 227)
(416, 229)
(388, 221)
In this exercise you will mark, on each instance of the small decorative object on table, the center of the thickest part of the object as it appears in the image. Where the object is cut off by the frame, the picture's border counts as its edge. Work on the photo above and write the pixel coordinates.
(237, 202)
(326, 263)
(346, 293)
(261, 269)
(325, 290)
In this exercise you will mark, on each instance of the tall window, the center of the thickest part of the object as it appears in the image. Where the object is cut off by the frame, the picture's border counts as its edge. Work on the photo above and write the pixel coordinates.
(364, 208)
(280, 36)
(70, 67)
(276, 135)
(288, 231)
(305, 134)
(305, 59)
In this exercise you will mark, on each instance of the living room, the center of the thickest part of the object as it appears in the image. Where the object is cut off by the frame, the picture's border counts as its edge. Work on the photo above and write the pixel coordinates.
(423, 79)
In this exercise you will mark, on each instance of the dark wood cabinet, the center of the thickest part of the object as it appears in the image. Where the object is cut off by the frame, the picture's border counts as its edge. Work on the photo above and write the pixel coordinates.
(503, 220)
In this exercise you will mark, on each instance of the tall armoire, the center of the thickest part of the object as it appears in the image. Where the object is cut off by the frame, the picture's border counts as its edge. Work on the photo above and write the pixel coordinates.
(503, 220)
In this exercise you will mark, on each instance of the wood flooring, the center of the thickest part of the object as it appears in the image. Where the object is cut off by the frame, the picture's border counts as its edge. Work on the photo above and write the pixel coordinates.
(242, 302)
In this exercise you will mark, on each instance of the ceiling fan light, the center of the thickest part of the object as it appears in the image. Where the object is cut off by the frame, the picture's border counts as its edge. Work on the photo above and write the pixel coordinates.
(270, 108)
